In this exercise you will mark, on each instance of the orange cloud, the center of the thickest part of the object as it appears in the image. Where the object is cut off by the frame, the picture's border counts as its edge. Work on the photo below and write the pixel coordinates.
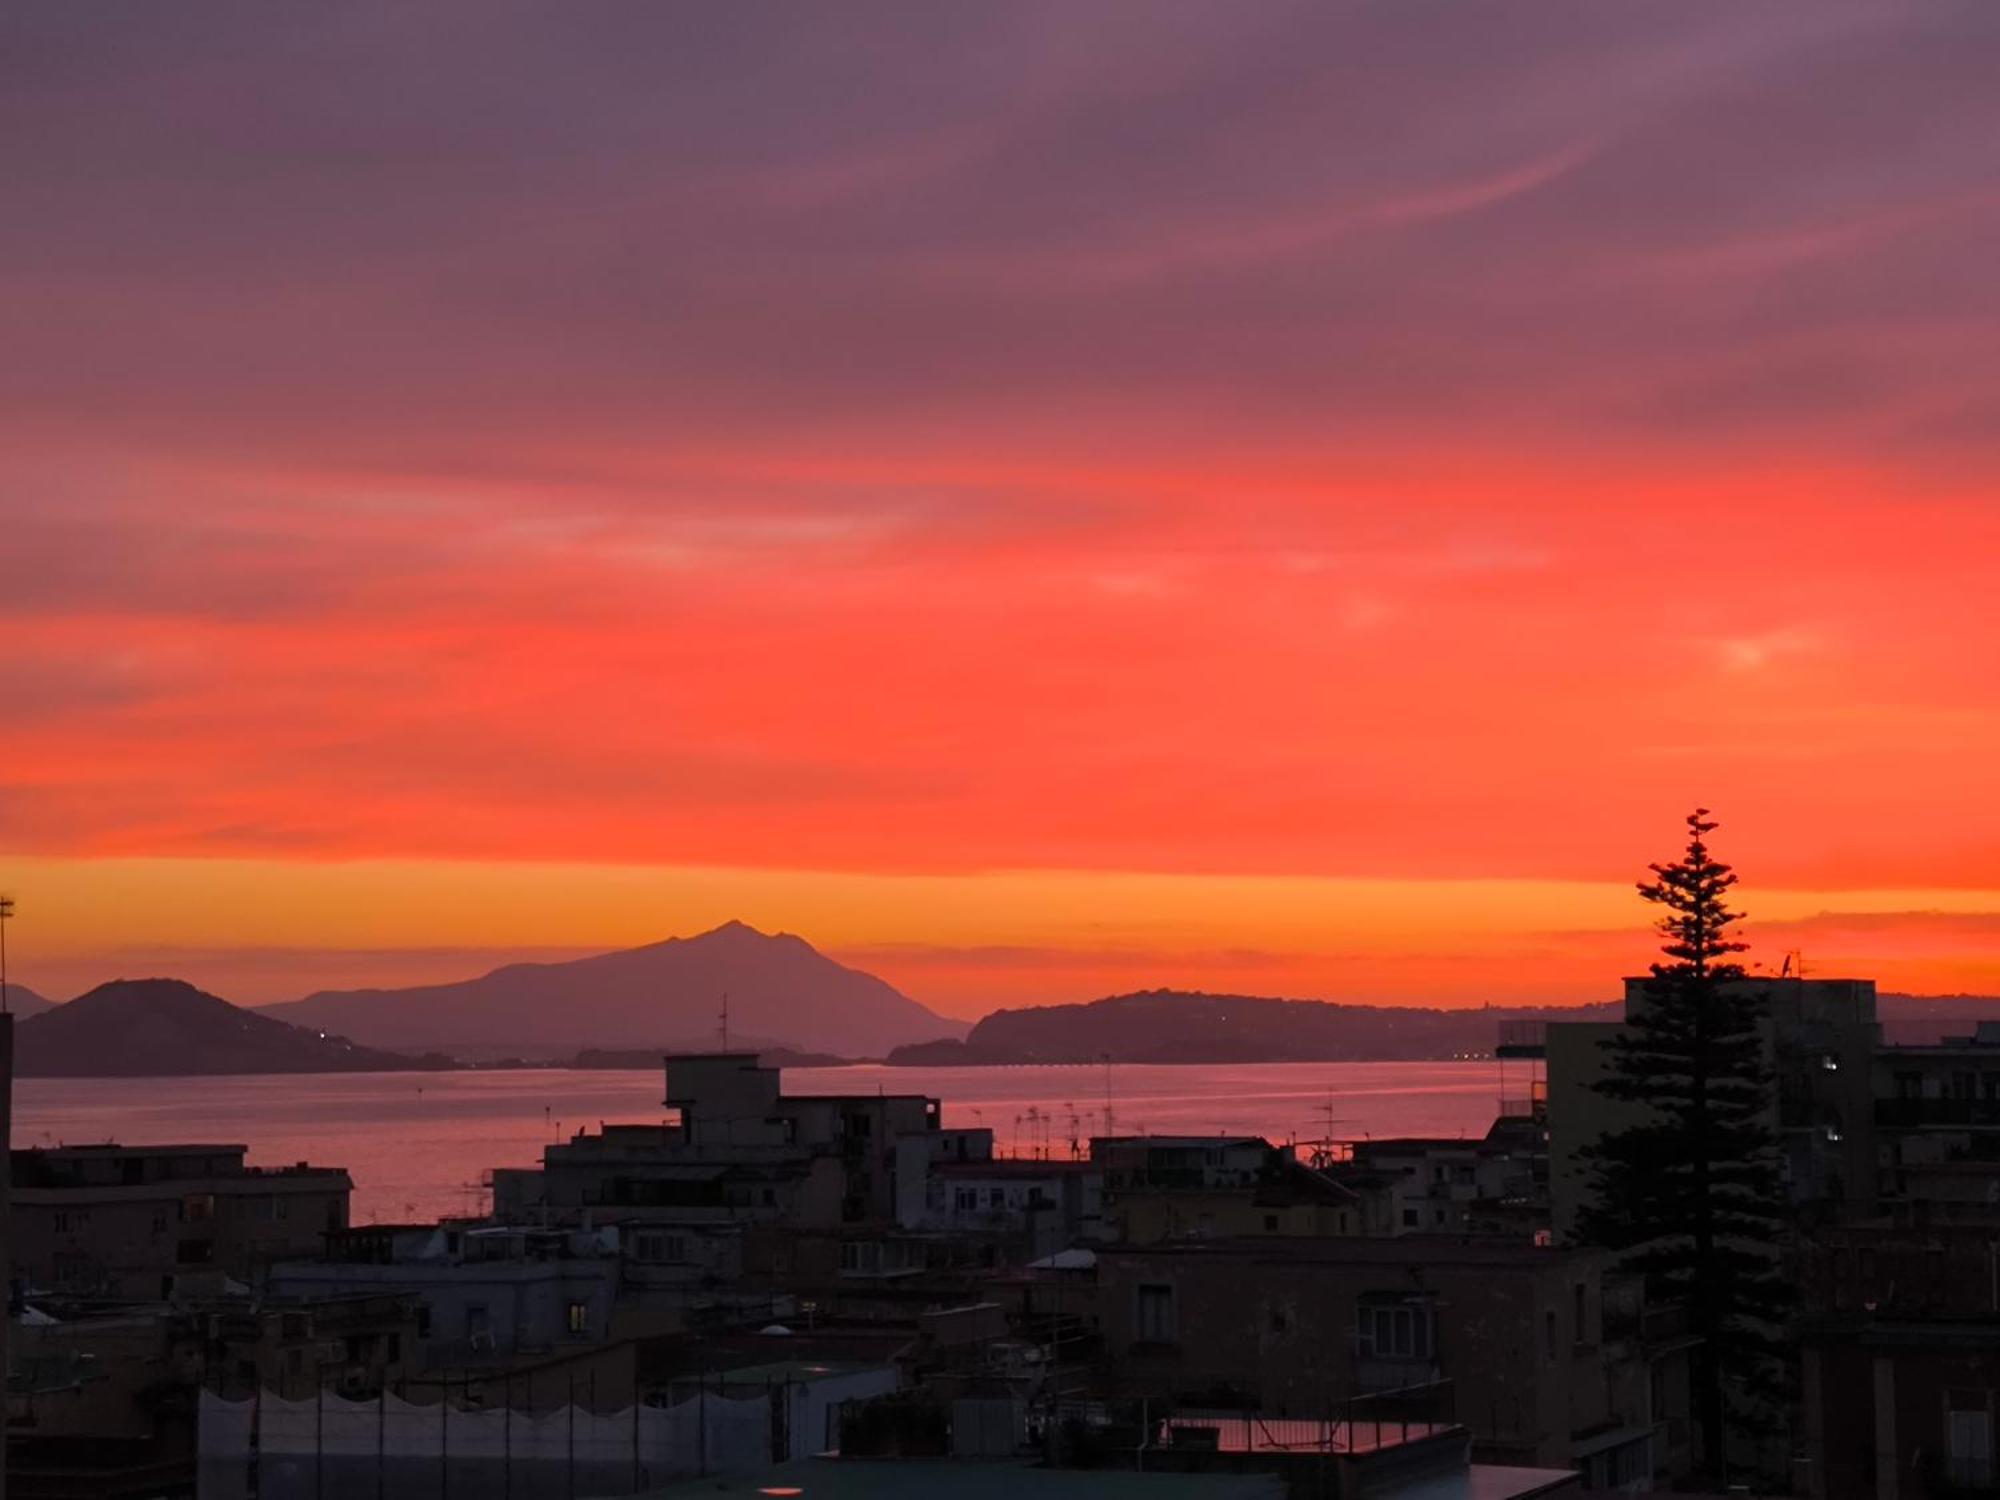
(1005, 447)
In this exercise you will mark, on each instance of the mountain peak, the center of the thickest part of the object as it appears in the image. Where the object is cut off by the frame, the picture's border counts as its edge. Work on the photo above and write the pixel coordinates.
(123, 993)
(738, 933)
(663, 996)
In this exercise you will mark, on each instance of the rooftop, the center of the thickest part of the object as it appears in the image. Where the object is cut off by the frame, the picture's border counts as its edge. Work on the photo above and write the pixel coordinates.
(1238, 1433)
(1181, 1140)
(790, 1371)
(891, 1478)
(115, 1148)
(1406, 1249)
(1013, 1166)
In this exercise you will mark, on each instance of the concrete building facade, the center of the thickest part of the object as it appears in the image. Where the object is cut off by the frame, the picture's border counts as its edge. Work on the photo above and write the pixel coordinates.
(734, 1147)
(143, 1222)
(1820, 1037)
(1295, 1327)
(483, 1295)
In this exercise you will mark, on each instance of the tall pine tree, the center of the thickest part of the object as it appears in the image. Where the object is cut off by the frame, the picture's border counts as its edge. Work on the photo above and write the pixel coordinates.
(1691, 1193)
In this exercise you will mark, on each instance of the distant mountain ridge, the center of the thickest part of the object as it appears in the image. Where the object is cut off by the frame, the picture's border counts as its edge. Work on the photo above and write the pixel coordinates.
(779, 986)
(131, 1028)
(1184, 1026)
(1181, 1026)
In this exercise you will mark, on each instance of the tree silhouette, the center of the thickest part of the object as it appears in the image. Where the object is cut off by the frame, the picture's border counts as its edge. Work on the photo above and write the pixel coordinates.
(1690, 1193)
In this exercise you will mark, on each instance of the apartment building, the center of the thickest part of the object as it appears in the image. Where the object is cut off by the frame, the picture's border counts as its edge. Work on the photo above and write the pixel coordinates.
(1041, 1205)
(732, 1147)
(481, 1295)
(1820, 1038)
(1292, 1327)
(145, 1222)
(1900, 1332)
(1492, 1184)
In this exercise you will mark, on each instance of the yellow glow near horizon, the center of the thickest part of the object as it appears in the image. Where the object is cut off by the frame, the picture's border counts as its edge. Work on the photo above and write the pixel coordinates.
(959, 941)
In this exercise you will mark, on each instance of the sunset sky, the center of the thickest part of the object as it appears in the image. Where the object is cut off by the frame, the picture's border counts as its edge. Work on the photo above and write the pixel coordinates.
(1039, 499)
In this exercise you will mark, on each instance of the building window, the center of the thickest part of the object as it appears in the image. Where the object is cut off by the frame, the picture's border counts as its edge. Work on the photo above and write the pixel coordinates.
(73, 1270)
(579, 1319)
(1969, 1438)
(1157, 1323)
(968, 1198)
(1409, 1218)
(1270, 1223)
(1390, 1326)
(198, 1208)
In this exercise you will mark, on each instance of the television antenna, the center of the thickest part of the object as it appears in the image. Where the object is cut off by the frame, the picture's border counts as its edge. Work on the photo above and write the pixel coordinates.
(1326, 1151)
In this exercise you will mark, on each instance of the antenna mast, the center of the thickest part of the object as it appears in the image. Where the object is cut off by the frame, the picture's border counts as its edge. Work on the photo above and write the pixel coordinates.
(725, 1020)
(6, 911)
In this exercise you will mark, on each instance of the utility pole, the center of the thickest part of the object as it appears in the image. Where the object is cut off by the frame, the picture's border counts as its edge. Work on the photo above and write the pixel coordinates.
(6, 1173)
(6, 1205)
(6, 912)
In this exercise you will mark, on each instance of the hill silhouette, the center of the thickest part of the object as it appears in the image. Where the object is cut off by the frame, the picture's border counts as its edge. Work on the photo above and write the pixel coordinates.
(23, 1002)
(665, 995)
(1185, 1026)
(1180, 1026)
(153, 1027)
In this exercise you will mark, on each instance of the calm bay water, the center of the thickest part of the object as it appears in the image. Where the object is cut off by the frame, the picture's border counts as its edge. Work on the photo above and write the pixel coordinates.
(417, 1144)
